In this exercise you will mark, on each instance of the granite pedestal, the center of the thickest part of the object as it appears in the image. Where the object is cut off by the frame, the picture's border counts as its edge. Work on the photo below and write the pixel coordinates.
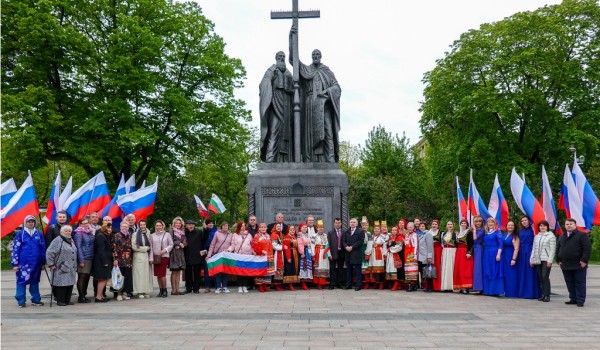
(298, 190)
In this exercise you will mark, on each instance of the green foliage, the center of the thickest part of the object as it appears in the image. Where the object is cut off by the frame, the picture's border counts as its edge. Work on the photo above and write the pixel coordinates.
(595, 236)
(515, 93)
(124, 87)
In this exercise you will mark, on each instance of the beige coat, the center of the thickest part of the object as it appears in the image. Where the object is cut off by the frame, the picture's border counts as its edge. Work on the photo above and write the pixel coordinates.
(142, 274)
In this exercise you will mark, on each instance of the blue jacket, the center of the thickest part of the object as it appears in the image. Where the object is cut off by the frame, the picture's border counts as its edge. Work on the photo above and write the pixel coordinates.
(209, 234)
(29, 254)
(85, 246)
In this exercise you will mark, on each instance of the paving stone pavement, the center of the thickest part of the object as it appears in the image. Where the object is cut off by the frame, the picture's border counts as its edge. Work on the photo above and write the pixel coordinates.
(341, 319)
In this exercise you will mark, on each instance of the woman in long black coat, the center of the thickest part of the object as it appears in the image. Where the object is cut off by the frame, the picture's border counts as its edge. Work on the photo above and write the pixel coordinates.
(103, 261)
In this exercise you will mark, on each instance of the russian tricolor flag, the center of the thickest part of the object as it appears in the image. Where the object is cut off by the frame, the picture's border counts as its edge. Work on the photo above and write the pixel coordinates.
(53, 202)
(100, 194)
(201, 208)
(525, 199)
(23, 203)
(462, 203)
(125, 187)
(569, 200)
(476, 205)
(589, 200)
(498, 207)
(77, 205)
(7, 191)
(139, 203)
(548, 203)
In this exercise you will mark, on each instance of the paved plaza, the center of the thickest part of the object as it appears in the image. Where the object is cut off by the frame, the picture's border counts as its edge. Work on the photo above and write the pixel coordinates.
(344, 319)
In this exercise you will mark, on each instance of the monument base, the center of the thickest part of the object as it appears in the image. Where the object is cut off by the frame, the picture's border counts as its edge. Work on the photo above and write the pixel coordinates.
(298, 190)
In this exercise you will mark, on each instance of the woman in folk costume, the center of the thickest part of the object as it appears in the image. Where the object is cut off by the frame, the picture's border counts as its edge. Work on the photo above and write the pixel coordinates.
(291, 267)
(448, 257)
(262, 246)
(411, 265)
(377, 255)
(321, 257)
(277, 242)
(463, 263)
(306, 254)
(393, 263)
(402, 232)
(437, 253)
(367, 246)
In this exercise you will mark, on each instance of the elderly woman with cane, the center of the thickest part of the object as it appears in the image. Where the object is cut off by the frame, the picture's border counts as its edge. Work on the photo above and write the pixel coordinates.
(61, 257)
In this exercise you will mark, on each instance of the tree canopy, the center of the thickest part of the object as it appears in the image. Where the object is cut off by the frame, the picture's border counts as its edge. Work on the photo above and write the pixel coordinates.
(518, 92)
(129, 87)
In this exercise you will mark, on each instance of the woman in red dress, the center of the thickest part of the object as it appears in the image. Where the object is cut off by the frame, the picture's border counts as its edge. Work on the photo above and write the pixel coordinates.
(463, 263)
(262, 246)
(437, 253)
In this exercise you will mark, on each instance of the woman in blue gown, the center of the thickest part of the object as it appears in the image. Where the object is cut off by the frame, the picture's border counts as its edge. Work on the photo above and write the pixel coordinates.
(478, 233)
(493, 278)
(510, 253)
(528, 282)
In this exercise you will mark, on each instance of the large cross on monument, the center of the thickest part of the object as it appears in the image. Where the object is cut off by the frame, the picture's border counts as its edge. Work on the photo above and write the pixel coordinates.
(295, 14)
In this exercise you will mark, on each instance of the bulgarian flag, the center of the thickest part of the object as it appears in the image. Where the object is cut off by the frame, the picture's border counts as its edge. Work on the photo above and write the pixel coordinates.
(237, 264)
(201, 208)
(215, 205)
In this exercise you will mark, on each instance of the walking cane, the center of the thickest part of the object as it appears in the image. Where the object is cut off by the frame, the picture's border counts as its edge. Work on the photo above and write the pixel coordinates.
(51, 282)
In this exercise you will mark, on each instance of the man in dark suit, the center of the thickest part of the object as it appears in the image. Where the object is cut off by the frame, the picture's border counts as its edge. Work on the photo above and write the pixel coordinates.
(573, 252)
(278, 220)
(337, 257)
(193, 259)
(352, 242)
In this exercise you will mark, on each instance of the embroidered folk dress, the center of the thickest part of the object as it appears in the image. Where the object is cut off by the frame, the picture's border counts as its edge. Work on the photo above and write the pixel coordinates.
(394, 261)
(321, 259)
(306, 265)
(376, 253)
(411, 265)
(448, 258)
(463, 266)
(291, 268)
(277, 242)
(262, 243)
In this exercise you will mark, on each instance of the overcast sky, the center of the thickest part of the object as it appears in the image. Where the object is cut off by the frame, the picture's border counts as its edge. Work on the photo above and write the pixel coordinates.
(378, 50)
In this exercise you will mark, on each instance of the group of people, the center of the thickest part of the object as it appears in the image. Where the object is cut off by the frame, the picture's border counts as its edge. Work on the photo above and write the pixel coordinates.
(410, 255)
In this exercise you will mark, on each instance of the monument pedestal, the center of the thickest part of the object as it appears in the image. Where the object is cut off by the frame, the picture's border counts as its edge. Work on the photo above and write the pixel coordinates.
(298, 190)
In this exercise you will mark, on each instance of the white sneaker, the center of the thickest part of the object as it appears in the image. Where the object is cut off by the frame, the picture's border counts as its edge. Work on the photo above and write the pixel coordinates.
(126, 297)
(240, 290)
(218, 290)
(225, 290)
(119, 298)
(244, 289)
(141, 296)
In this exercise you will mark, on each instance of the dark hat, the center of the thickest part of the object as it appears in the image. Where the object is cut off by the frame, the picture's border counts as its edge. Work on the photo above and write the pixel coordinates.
(190, 222)
(208, 221)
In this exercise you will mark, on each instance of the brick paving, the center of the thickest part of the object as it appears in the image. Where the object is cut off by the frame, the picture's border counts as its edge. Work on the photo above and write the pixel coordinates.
(341, 319)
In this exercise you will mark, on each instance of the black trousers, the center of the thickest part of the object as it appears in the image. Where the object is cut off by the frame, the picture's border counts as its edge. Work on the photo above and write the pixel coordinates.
(336, 269)
(192, 277)
(576, 280)
(62, 293)
(543, 272)
(357, 269)
(128, 282)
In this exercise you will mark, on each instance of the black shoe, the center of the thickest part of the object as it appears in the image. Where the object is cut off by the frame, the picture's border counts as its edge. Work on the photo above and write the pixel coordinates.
(571, 302)
(546, 299)
(70, 303)
(196, 291)
(331, 287)
(541, 298)
(357, 289)
(37, 303)
(579, 304)
(22, 305)
(61, 304)
(188, 291)
(83, 300)
(103, 300)
(165, 293)
(130, 295)
(347, 287)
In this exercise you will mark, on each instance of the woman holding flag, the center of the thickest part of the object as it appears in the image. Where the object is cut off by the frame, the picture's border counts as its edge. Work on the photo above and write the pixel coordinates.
(241, 243)
(262, 246)
(220, 243)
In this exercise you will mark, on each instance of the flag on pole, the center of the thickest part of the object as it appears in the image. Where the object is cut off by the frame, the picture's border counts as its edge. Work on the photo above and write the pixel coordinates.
(100, 194)
(476, 204)
(215, 205)
(526, 201)
(498, 206)
(462, 204)
(548, 203)
(569, 200)
(77, 204)
(53, 203)
(22, 204)
(130, 184)
(589, 200)
(65, 193)
(237, 264)
(201, 208)
(112, 209)
(7, 191)
(139, 203)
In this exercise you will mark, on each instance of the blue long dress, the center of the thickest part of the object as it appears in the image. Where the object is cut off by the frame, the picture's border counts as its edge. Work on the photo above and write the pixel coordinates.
(478, 260)
(510, 272)
(493, 278)
(528, 283)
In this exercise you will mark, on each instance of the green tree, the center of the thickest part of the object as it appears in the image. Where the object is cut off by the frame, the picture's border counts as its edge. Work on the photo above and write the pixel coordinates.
(128, 87)
(517, 92)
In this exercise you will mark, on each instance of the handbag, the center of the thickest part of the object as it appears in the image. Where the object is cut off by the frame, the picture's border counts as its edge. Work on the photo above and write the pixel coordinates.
(117, 278)
(430, 271)
(157, 258)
